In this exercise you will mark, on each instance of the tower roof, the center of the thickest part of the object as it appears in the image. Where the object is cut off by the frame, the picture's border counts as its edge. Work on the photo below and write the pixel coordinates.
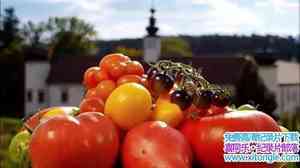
(152, 29)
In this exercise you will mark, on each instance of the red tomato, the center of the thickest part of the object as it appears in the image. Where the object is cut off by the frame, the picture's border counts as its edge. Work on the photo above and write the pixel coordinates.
(135, 68)
(91, 104)
(108, 60)
(104, 88)
(154, 144)
(34, 120)
(90, 93)
(205, 134)
(129, 78)
(117, 70)
(89, 78)
(102, 75)
(87, 141)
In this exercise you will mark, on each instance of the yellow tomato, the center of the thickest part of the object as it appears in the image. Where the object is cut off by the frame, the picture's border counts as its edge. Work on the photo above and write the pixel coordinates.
(168, 112)
(129, 105)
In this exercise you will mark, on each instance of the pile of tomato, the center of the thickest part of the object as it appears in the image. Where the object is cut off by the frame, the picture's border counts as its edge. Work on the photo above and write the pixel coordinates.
(167, 117)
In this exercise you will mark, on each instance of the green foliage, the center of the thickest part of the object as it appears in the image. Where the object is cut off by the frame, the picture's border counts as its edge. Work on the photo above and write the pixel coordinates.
(175, 46)
(70, 36)
(10, 39)
(131, 52)
(33, 33)
(8, 128)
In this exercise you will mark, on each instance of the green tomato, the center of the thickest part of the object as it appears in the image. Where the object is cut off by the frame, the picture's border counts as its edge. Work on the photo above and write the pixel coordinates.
(18, 148)
(246, 107)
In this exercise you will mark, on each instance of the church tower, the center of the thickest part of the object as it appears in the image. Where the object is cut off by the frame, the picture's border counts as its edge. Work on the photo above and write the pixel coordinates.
(152, 45)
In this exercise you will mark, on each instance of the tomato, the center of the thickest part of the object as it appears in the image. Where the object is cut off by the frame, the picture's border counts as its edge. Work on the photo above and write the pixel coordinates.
(117, 70)
(168, 112)
(104, 88)
(89, 78)
(205, 134)
(87, 141)
(33, 121)
(129, 105)
(108, 60)
(102, 75)
(135, 68)
(154, 144)
(91, 104)
(145, 82)
(90, 93)
(128, 79)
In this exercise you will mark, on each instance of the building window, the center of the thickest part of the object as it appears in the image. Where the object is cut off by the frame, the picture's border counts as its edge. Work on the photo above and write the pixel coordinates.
(41, 96)
(64, 96)
(29, 95)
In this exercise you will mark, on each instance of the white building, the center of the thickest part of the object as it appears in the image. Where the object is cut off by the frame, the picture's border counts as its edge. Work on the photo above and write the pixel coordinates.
(55, 83)
(283, 78)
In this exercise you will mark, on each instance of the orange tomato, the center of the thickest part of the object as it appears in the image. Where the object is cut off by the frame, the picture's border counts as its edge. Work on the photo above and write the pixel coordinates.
(168, 112)
(135, 68)
(129, 78)
(89, 77)
(129, 105)
(91, 104)
(104, 88)
(108, 60)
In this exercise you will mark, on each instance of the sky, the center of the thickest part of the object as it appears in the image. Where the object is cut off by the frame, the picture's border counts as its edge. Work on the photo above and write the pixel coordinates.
(115, 19)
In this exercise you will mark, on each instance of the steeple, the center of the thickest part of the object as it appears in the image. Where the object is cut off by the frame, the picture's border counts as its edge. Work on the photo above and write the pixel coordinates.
(152, 29)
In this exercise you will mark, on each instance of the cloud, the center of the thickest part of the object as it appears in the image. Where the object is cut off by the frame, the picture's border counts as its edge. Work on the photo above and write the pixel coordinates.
(279, 5)
(128, 18)
(227, 16)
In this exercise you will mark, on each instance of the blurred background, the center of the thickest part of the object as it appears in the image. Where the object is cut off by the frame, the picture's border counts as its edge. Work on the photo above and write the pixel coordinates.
(250, 47)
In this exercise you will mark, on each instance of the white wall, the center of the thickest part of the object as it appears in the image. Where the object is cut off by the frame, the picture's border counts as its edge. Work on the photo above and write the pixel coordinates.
(36, 74)
(75, 93)
(152, 49)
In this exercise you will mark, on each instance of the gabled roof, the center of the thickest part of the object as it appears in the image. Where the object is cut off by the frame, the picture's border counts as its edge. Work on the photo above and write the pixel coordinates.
(70, 69)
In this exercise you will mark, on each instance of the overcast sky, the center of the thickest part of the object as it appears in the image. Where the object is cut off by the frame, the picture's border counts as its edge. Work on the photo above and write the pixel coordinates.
(115, 19)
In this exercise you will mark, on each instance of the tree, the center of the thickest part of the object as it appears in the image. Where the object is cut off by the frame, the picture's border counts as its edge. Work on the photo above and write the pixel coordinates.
(131, 52)
(250, 88)
(33, 33)
(10, 39)
(70, 36)
(175, 47)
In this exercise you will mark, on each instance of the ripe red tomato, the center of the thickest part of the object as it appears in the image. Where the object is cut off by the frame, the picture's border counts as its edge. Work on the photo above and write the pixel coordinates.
(117, 70)
(154, 144)
(90, 93)
(108, 60)
(129, 78)
(33, 121)
(102, 75)
(92, 104)
(87, 141)
(205, 134)
(104, 88)
(135, 68)
(89, 78)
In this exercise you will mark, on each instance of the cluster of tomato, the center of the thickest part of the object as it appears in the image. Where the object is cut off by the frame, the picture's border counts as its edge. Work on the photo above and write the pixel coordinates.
(100, 81)
(144, 119)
